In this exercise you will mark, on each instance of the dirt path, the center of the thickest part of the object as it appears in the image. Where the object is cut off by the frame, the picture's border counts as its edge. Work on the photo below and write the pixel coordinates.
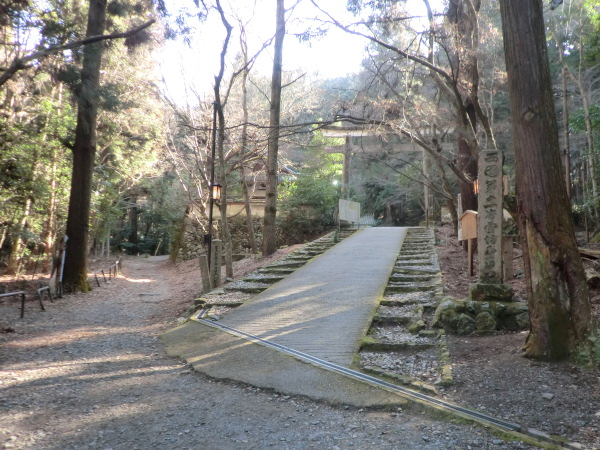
(90, 373)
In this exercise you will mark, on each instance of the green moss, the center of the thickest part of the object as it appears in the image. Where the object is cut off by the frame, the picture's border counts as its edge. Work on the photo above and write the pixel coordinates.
(367, 340)
(588, 353)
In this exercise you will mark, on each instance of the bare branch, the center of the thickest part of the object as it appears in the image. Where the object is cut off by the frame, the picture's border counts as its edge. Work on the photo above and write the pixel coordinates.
(393, 48)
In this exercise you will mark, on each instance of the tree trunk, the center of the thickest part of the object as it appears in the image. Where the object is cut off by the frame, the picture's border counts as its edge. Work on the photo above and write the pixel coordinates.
(49, 231)
(133, 223)
(49, 224)
(220, 143)
(590, 153)
(84, 150)
(243, 145)
(467, 161)
(559, 304)
(223, 208)
(18, 244)
(269, 237)
(567, 147)
(462, 14)
(448, 195)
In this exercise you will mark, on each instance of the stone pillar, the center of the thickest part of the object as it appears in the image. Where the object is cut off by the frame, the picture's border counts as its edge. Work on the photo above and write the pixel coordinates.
(346, 170)
(489, 223)
(216, 257)
(489, 230)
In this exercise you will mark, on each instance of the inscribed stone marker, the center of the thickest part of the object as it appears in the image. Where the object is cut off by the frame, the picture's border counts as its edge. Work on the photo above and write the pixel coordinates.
(489, 230)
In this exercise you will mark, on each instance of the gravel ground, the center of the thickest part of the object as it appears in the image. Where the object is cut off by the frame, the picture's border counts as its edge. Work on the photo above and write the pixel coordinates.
(89, 373)
(491, 374)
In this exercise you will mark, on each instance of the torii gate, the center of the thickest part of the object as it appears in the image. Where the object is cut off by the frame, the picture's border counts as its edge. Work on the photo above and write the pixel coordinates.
(347, 132)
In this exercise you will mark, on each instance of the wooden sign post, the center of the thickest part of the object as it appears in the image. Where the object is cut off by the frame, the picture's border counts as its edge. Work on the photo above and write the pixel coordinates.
(468, 232)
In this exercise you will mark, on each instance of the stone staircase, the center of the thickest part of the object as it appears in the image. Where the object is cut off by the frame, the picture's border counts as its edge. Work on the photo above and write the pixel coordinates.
(233, 294)
(401, 346)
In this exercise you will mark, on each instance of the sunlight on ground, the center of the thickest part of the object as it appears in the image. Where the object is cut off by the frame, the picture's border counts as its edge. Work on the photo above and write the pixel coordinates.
(77, 370)
(217, 354)
(73, 335)
(139, 280)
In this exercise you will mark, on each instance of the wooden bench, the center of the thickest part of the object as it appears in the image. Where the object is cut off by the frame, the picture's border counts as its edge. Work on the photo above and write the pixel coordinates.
(22, 294)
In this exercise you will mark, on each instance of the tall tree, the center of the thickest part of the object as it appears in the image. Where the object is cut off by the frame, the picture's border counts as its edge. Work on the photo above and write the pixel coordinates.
(244, 139)
(559, 304)
(219, 107)
(269, 238)
(84, 151)
(462, 16)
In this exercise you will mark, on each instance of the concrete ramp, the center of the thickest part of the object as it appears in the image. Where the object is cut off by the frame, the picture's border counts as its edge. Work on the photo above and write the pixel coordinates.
(324, 308)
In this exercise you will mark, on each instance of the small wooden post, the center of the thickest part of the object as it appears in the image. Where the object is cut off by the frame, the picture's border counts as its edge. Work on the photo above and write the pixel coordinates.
(470, 257)
(206, 278)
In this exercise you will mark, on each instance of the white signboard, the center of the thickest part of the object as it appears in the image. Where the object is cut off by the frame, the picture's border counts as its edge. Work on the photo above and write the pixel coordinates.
(349, 211)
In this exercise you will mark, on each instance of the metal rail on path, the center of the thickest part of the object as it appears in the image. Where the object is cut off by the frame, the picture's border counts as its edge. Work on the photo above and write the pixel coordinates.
(96, 276)
(531, 435)
(21, 294)
(409, 393)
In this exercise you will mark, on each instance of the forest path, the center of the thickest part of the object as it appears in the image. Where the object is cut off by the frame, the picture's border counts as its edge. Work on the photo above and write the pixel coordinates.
(90, 373)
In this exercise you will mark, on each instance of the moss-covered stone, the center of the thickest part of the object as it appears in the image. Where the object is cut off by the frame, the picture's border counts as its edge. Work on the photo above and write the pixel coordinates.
(417, 326)
(486, 316)
(447, 313)
(447, 376)
(485, 323)
(490, 292)
(465, 325)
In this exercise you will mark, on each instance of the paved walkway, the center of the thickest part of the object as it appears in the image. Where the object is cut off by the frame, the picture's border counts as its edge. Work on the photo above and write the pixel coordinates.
(324, 308)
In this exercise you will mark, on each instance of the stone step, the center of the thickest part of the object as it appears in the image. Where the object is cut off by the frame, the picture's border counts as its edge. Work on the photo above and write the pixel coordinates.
(400, 311)
(416, 252)
(393, 320)
(398, 301)
(430, 268)
(262, 277)
(423, 254)
(227, 304)
(287, 264)
(309, 254)
(411, 287)
(413, 262)
(299, 258)
(379, 346)
(416, 247)
(246, 287)
(318, 249)
(277, 270)
(405, 277)
(413, 290)
(414, 243)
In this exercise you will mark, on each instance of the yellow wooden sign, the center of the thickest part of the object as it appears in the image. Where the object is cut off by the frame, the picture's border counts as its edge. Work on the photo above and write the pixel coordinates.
(468, 225)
